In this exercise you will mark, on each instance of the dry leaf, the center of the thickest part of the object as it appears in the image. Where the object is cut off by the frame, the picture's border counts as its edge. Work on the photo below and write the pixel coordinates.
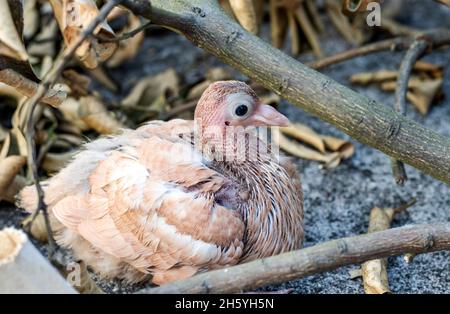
(75, 15)
(9, 168)
(11, 92)
(365, 78)
(149, 96)
(78, 83)
(305, 134)
(41, 46)
(330, 150)
(93, 112)
(38, 228)
(245, 13)
(101, 76)
(345, 148)
(11, 44)
(331, 160)
(213, 74)
(14, 188)
(54, 162)
(130, 47)
(30, 18)
(445, 2)
(351, 7)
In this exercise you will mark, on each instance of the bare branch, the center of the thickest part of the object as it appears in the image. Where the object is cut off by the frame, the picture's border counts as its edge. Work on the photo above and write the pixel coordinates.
(125, 36)
(319, 258)
(416, 50)
(28, 88)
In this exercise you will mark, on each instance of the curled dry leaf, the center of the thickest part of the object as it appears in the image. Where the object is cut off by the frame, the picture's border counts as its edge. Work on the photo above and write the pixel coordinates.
(101, 76)
(89, 112)
(14, 188)
(329, 150)
(11, 44)
(42, 46)
(9, 168)
(351, 34)
(330, 160)
(351, 7)
(75, 15)
(149, 96)
(305, 134)
(130, 47)
(213, 74)
(365, 78)
(54, 162)
(245, 13)
(424, 86)
(78, 83)
(94, 113)
(30, 18)
(38, 228)
(445, 2)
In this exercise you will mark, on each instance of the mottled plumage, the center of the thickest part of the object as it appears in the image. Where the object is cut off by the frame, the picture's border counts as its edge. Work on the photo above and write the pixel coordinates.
(153, 203)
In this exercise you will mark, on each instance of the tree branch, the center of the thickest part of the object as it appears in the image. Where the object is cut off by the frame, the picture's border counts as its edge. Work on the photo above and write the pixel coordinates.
(436, 37)
(366, 120)
(28, 87)
(414, 52)
(319, 258)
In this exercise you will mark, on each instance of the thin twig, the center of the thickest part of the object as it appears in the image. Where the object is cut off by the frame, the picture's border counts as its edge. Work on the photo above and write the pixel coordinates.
(319, 258)
(50, 79)
(28, 87)
(124, 36)
(417, 49)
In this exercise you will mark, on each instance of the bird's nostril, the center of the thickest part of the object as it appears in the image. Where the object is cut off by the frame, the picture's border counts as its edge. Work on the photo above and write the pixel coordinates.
(227, 123)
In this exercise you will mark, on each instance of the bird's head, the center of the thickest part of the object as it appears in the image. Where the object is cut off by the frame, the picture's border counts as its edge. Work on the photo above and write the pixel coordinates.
(234, 103)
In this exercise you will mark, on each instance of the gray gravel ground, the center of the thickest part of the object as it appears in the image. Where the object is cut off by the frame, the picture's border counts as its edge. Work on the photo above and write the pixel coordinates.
(338, 201)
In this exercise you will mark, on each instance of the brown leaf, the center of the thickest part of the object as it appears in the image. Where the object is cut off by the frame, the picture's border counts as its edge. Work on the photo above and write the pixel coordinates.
(9, 168)
(130, 47)
(14, 188)
(38, 228)
(11, 44)
(148, 98)
(75, 15)
(54, 162)
(351, 7)
(365, 78)
(296, 149)
(305, 134)
(78, 83)
(245, 13)
(94, 113)
(30, 18)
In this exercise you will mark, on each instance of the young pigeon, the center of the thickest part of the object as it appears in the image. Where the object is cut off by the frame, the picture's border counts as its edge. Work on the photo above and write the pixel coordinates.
(171, 199)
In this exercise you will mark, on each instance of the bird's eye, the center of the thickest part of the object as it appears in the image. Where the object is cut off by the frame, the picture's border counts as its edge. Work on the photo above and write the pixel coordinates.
(241, 110)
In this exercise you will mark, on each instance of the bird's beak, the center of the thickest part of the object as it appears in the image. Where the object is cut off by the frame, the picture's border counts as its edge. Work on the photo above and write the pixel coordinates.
(266, 115)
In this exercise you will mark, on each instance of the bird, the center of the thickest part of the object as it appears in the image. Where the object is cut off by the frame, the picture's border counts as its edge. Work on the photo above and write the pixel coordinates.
(174, 198)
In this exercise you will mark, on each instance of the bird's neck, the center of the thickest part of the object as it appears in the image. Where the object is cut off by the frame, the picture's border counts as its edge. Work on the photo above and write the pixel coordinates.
(229, 144)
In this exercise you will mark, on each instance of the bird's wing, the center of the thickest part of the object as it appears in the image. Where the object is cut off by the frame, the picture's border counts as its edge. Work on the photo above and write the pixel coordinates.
(151, 204)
